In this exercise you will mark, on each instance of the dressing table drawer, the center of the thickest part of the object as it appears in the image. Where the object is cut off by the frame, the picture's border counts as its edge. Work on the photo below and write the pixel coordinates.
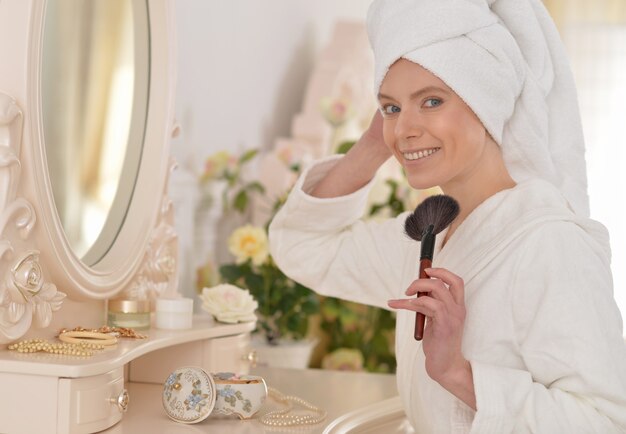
(224, 354)
(91, 404)
(52, 405)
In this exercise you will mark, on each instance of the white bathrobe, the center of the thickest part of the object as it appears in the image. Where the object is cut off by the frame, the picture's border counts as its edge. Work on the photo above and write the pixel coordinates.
(542, 333)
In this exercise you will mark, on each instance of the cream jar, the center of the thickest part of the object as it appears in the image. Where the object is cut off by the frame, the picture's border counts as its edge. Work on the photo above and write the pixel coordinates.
(174, 313)
(133, 314)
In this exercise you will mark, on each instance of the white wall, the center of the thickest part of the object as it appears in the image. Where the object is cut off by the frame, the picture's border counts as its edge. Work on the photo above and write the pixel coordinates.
(243, 66)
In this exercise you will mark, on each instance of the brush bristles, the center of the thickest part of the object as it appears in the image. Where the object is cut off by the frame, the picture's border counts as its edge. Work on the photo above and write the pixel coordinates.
(439, 211)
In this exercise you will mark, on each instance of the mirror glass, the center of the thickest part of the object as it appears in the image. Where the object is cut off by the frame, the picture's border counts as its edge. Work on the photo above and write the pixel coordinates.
(94, 90)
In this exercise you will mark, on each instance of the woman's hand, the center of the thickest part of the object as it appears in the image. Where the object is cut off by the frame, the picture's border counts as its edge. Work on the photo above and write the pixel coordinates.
(359, 165)
(373, 136)
(444, 308)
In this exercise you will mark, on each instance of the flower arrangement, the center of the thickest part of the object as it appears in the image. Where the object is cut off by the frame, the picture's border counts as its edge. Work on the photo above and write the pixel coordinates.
(284, 305)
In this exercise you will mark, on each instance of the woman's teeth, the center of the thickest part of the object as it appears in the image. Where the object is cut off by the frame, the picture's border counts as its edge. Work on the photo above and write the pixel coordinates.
(420, 154)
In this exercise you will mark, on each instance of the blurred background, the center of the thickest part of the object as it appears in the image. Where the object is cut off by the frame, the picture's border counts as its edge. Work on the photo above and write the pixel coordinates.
(264, 87)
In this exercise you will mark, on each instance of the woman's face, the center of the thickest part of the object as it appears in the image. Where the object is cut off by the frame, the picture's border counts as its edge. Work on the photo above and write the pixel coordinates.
(434, 135)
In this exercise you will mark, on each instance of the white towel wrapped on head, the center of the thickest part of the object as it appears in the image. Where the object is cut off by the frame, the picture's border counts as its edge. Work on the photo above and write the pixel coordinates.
(505, 59)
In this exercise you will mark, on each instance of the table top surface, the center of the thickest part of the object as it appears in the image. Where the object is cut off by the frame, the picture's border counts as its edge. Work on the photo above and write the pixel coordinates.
(337, 392)
(126, 350)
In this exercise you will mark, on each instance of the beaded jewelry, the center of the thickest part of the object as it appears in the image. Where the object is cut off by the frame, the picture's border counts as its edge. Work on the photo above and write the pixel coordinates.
(283, 418)
(37, 345)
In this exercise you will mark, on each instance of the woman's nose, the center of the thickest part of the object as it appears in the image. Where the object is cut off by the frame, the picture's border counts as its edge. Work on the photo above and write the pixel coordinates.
(408, 126)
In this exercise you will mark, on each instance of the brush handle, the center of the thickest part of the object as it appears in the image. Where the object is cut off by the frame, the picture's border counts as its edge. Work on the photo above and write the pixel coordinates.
(420, 318)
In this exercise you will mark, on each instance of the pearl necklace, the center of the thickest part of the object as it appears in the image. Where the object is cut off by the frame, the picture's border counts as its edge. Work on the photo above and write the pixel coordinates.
(282, 417)
(36, 345)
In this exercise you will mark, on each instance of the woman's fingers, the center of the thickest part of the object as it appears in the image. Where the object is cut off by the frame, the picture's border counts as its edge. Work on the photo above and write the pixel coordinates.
(426, 305)
(455, 284)
(434, 287)
(419, 285)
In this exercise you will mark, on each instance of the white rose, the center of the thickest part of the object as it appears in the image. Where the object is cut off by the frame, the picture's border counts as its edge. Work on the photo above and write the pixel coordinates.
(228, 303)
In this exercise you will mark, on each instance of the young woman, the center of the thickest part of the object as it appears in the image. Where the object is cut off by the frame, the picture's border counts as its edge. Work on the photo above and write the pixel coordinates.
(523, 333)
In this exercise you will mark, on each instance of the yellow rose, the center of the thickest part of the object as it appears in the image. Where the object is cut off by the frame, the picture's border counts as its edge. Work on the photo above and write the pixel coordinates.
(249, 242)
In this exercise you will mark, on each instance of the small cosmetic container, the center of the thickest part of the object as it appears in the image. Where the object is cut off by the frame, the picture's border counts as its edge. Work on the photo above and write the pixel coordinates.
(133, 314)
(174, 313)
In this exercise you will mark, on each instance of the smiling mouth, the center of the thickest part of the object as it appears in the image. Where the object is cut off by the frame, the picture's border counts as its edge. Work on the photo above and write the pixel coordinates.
(412, 156)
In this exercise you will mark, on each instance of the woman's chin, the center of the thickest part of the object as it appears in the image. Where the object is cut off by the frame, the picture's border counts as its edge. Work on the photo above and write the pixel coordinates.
(421, 182)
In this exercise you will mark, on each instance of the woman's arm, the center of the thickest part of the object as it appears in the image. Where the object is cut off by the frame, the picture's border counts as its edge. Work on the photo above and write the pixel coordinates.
(319, 239)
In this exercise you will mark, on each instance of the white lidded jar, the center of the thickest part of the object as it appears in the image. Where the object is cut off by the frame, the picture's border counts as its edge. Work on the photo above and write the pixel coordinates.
(174, 313)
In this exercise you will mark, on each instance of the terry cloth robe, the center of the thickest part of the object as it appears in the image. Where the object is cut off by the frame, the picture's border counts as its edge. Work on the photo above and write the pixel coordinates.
(543, 333)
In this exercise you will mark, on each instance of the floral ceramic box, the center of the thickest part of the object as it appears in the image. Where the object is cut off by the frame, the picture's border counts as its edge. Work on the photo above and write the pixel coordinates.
(190, 395)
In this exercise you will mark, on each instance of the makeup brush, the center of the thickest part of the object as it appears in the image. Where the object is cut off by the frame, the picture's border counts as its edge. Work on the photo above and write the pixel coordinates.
(430, 217)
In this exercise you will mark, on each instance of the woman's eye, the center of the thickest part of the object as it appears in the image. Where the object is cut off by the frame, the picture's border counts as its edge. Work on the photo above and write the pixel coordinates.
(432, 102)
(390, 109)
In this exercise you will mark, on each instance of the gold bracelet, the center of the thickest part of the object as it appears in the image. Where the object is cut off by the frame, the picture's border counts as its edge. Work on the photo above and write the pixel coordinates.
(83, 337)
(120, 332)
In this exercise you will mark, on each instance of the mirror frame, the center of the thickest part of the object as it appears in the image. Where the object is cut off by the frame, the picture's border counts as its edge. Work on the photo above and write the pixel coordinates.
(142, 261)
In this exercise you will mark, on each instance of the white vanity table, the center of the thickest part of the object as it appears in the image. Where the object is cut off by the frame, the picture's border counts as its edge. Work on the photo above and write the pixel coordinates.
(91, 394)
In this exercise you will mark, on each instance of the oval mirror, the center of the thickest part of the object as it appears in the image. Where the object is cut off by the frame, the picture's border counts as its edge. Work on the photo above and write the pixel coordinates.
(101, 84)
(94, 98)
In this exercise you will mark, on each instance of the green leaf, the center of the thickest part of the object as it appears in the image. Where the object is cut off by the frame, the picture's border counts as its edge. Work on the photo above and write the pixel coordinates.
(241, 201)
(248, 155)
(393, 184)
(310, 307)
(255, 284)
(296, 326)
(231, 272)
(330, 311)
(376, 208)
(344, 147)
(255, 186)
(275, 296)
(348, 318)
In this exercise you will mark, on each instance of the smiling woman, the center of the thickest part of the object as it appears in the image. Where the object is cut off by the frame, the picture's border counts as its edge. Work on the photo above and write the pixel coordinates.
(519, 266)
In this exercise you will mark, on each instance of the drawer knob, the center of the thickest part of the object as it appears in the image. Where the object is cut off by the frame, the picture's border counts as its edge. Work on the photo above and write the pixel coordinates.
(121, 401)
(251, 357)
